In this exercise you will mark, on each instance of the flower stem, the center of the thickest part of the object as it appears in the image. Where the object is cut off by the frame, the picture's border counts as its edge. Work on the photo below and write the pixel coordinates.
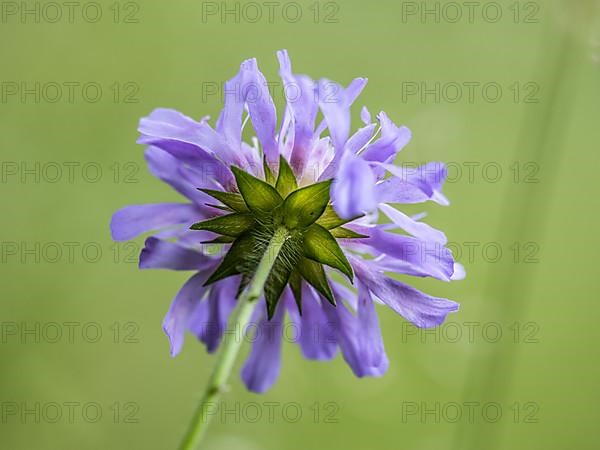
(230, 347)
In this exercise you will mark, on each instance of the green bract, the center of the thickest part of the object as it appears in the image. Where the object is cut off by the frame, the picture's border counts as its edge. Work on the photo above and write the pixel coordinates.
(305, 216)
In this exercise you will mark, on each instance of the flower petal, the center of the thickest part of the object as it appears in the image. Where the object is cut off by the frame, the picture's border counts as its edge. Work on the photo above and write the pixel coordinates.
(370, 342)
(392, 140)
(420, 230)
(365, 115)
(177, 319)
(185, 139)
(357, 141)
(423, 257)
(459, 272)
(209, 168)
(353, 192)
(317, 337)
(423, 310)
(262, 366)
(360, 139)
(159, 254)
(335, 102)
(303, 109)
(261, 108)
(230, 119)
(134, 220)
(407, 182)
(394, 190)
(352, 339)
(209, 323)
(168, 126)
(170, 170)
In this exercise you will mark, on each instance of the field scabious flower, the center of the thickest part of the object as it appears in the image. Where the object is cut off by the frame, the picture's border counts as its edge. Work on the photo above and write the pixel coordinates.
(314, 187)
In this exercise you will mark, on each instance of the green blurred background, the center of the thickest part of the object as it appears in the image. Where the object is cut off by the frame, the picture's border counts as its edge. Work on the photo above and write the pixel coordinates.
(541, 374)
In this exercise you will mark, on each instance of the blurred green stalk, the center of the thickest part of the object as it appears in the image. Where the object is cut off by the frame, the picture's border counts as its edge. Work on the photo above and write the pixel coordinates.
(523, 214)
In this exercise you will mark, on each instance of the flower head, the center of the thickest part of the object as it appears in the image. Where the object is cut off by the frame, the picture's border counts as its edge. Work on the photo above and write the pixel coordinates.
(316, 187)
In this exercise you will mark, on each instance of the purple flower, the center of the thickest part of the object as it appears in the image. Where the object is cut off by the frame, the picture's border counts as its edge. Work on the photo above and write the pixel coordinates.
(317, 180)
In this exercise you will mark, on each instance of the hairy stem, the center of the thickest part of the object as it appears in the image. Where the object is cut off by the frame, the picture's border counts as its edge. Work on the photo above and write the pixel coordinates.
(230, 347)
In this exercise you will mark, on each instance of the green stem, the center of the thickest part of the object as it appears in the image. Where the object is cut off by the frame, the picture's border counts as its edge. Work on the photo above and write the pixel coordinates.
(230, 348)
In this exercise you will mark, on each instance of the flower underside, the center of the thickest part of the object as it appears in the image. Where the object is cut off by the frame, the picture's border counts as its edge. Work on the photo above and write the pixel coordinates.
(304, 215)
